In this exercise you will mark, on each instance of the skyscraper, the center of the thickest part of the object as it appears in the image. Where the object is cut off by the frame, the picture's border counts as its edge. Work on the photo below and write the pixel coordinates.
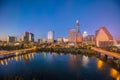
(28, 37)
(74, 35)
(50, 36)
(11, 39)
(31, 37)
(25, 37)
(71, 35)
(78, 34)
(77, 26)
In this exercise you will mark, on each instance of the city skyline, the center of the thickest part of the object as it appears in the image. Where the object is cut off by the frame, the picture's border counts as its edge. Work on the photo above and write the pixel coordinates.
(39, 17)
(59, 39)
(50, 34)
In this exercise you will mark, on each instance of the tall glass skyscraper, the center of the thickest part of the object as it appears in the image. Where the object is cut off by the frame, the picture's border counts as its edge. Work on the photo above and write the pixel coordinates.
(50, 36)
(28, 37)
(72, 35)
(77, 26)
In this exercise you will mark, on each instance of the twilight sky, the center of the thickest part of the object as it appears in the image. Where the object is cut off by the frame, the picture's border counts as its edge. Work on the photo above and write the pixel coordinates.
(40, 16)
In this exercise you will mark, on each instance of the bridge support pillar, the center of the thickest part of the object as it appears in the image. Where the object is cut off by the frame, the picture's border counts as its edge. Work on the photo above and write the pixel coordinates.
(118, 63)
(97, 54)
(110, 57)
(106, 57)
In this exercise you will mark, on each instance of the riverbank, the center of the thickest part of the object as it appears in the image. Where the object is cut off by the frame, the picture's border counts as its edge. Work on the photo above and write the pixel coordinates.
(67, 50)
(36, 49)
(72, 51)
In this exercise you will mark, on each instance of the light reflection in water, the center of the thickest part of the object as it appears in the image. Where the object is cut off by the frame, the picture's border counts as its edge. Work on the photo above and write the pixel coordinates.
(78, 60)
(85, 60)
(13, 78)
(20, 58)
(16, 58)
(6, 62)
(61, 53)
(99, 64)
(25, 58)
(8, 59)
(54, 54)
(32, 55)
(115, 74)
(12, 58)
(1, 62)
(75, 61)
(50, 57)
(45, 55)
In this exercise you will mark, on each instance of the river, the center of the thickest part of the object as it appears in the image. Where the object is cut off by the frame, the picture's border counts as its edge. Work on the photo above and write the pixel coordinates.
(54, 66)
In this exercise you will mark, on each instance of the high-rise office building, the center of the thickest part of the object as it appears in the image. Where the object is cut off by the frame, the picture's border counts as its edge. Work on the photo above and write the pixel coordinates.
(28, 37)
(71, 35)
(31, 37)
(11, 39)
(78, 33)
(77, 26)
(50, 37)
(103, 37)
(25, 37)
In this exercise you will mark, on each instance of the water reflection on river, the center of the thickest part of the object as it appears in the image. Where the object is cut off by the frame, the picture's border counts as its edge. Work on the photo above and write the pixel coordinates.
(49, 66)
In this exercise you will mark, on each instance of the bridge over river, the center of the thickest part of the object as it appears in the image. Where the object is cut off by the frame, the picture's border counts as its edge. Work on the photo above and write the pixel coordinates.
(4, 54)
(108, 53)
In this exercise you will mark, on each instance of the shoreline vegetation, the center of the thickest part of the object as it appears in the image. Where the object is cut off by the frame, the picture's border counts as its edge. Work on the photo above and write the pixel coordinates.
(50, 48)
(67, 50)
(56, 46)
(72, 50)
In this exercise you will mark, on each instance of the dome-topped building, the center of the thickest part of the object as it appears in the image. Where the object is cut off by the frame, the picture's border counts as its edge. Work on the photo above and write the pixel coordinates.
(85, 34)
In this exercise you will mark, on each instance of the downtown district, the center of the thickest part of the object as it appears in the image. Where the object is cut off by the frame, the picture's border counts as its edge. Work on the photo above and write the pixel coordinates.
(102, 38)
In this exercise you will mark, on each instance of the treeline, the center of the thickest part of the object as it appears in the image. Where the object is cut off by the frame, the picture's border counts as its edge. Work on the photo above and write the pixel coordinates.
(8, 47)
(13, 47)
(67, 50)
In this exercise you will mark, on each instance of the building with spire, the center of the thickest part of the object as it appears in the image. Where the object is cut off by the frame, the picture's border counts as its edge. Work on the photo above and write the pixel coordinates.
(77, 26)
(74, 35)
(78, 33)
